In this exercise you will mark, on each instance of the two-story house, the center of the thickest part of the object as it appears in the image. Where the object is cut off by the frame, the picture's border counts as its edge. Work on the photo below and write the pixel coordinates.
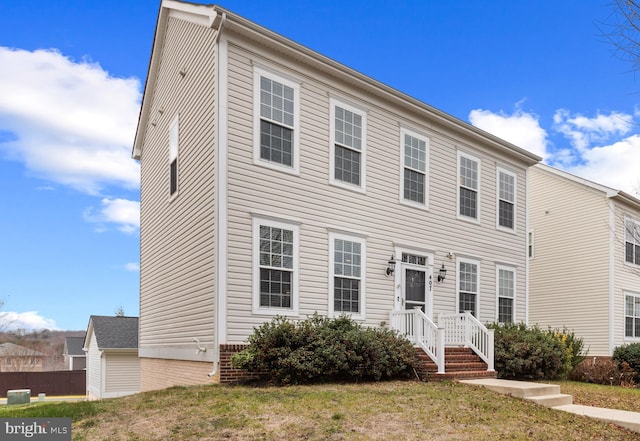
(584, 255)
(276, 181)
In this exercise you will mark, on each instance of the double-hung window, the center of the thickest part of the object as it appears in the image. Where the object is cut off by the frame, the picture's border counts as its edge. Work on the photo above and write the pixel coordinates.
(632, 315)
(632, 241)
(347, 273)
(173, 155)
(415, 178)
(506, 199)
(348, 146)
(468, 286)
(506, 282)
(468, 186)
(276, 121)
(275, 248)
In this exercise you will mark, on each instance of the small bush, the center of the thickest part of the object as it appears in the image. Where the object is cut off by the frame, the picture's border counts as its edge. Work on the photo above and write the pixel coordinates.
(530, 353)
(604, 371)
(320, 349)
(630, 354)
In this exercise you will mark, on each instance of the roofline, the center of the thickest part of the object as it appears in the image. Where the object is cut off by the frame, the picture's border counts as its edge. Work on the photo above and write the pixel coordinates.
(610, 193)
(213, 14)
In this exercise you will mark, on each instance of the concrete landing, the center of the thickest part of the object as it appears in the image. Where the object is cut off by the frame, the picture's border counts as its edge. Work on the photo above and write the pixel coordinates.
(549, 395)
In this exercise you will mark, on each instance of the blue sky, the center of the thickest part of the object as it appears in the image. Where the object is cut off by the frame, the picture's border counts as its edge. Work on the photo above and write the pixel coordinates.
(539, 74)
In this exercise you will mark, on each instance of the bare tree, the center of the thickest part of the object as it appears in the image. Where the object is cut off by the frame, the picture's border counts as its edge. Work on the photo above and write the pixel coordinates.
(623, 31)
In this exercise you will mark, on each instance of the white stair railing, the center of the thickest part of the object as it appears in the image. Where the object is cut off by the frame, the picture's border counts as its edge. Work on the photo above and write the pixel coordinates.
(421, 331)
(465, 330)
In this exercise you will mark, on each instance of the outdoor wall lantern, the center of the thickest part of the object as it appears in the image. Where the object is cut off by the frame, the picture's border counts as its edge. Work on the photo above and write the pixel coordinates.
(442, 273)
(391, 265)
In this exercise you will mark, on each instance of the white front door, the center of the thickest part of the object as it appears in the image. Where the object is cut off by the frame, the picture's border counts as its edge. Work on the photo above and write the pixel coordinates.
(416, 284)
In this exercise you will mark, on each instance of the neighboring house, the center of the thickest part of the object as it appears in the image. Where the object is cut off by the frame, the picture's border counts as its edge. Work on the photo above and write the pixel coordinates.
(16, 358)
(276, 181)
(584, 255)
(113, 367)
(74, 356)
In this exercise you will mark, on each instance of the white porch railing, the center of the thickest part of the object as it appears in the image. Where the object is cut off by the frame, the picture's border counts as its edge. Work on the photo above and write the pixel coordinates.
(421, 331)
(452, 330)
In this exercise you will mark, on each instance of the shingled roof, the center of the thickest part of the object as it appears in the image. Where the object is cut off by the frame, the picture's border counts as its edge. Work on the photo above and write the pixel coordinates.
(114, 332)
(73, 346)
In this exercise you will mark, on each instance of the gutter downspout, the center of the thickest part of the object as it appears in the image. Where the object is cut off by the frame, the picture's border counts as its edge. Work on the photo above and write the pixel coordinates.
(220, 236)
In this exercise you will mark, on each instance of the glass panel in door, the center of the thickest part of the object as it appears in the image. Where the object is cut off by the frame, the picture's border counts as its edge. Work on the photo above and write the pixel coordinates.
(415, 288)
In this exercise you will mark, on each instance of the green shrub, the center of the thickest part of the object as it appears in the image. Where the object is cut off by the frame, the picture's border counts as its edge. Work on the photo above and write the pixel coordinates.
(320, 349)
(574, 347)
(529, 353)
(629, 353)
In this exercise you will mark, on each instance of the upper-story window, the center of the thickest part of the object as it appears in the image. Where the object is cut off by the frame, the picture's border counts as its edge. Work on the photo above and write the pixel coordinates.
(348, 146)
(506, 199)
(173, 156)
(632, 241)
(468, 286)
(506, 283)
(276, 121)
(275, 267)
(347, 254)
(415, 177)
(468, 186)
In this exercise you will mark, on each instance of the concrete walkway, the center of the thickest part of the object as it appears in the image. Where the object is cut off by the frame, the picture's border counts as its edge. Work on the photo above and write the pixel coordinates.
(549, 395)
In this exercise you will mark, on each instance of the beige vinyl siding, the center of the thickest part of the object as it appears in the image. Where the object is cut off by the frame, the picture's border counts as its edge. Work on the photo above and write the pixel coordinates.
(94, 369)
(177, 249)
(377, 214)
(122, 373)
(627, 276)
(570, 273)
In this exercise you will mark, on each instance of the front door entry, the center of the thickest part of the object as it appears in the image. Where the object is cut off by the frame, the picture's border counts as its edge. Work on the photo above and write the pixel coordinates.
(416, 283)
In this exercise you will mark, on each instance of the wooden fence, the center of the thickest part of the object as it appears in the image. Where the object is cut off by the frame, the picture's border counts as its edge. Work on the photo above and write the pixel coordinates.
(54, 383)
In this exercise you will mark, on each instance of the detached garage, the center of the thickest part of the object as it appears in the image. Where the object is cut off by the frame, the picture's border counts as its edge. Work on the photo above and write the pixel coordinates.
(113, 367)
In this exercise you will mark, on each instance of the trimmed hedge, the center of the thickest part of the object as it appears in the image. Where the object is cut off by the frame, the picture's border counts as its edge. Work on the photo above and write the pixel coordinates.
(319, 349)
(530, 353)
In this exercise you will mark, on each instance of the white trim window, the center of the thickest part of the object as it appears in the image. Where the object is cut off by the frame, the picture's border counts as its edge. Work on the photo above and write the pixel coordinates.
(632, 315)
(276, 121)
(506, 199)
(469, 187)
(275, 277)
(632, 241)
(174, 142)
(506, 293)
(414, 178)
(348, 146)
(346, 275)
(468, 285)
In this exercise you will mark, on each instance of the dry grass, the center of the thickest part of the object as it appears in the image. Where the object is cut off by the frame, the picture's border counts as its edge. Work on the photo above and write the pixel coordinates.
(381, 411)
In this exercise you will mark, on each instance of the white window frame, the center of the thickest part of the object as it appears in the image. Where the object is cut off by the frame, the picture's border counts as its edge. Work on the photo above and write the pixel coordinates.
(258, 73)
(174, 153)
(477, 190)
(512, 270)
(498, 199)
(407, 132)
(634, 295)
(286, 225)
(460, 260)
(333, 103)
(363, 270)
(636, 232)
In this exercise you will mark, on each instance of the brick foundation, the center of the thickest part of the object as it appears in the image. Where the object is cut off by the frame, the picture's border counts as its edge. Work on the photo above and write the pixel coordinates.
(227, 373)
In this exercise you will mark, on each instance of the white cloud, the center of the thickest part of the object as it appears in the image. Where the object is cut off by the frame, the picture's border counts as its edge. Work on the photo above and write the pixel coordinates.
(583, 131)
(27, 321)
(615, 165)
(122, 212)
(69, 122)
(132, 266)
(520, 128)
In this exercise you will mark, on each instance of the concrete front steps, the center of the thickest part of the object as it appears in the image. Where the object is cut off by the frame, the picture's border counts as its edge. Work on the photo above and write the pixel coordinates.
(459, 363)
(544, 394)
